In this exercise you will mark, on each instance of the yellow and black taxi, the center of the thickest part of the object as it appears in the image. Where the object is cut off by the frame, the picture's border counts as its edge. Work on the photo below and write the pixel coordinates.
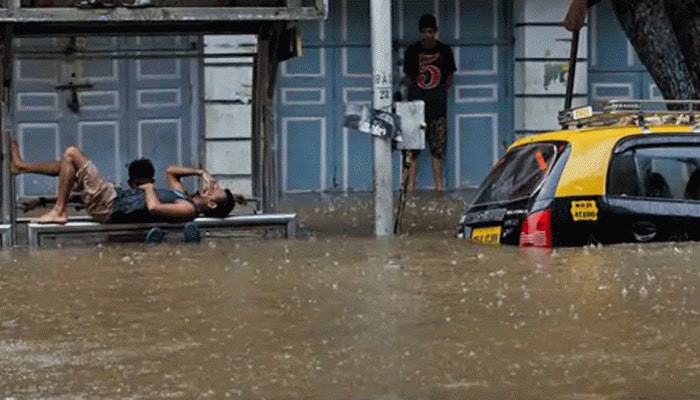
(628, 173)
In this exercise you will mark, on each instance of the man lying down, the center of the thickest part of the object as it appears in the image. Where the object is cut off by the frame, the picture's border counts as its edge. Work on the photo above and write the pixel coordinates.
(141, 171)
(107, 203)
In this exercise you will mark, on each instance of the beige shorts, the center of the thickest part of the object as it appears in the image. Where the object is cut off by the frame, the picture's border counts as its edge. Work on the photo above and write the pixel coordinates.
(97, 193)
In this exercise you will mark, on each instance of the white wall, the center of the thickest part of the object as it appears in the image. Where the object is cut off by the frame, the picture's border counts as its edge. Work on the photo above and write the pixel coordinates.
(228, 109)
(542, 48)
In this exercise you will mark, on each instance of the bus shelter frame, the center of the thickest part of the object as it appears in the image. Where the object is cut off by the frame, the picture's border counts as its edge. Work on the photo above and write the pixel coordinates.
(275, 27)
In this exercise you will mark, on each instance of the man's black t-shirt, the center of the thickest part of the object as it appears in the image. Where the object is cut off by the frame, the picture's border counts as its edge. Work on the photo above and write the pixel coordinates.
(429, 69)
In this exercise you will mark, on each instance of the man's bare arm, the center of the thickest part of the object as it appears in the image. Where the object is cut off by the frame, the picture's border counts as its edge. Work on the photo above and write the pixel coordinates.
(175, 173)
(578, 11)
(179, 211)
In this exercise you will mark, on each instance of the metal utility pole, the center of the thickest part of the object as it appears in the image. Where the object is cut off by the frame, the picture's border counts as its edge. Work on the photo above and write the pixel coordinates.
(380, 16)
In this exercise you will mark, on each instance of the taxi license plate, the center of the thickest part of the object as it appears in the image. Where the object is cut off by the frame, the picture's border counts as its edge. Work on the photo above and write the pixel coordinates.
(490, 235)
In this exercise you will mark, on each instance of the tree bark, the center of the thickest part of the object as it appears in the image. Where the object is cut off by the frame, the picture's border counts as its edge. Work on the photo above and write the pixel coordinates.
(684, 16)
(661, 44)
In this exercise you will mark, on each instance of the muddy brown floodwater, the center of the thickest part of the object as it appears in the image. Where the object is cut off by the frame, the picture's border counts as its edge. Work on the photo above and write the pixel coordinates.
(339, 314)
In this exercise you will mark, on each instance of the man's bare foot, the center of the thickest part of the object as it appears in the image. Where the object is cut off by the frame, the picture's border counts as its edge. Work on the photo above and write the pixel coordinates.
(15, 158)
(51, 217)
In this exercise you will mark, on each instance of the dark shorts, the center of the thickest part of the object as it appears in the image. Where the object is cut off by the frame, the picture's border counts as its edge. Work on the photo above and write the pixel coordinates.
(436, 138)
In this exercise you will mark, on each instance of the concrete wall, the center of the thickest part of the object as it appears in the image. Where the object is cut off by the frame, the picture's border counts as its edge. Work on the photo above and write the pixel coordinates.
(542, 48)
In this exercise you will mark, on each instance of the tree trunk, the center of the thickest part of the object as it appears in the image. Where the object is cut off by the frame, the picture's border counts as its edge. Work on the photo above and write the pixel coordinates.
(685, 22)
(661, 45)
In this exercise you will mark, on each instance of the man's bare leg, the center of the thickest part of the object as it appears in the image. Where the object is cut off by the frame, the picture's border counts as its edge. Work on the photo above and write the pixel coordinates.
(18, 166)
(73, 159)
(437, 173)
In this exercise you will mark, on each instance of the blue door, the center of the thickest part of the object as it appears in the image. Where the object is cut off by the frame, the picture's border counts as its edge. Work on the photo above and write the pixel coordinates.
(614, 70)
(116, 107)
(305, 123)
(318, 154)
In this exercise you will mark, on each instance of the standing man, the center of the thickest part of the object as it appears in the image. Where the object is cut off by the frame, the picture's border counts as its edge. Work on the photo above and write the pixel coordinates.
(428, 68)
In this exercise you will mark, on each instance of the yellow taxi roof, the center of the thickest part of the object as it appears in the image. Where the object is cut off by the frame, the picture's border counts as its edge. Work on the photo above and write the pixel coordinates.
(591, 148)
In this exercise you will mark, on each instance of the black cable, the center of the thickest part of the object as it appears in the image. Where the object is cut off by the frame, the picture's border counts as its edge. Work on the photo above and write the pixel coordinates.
(407, 154)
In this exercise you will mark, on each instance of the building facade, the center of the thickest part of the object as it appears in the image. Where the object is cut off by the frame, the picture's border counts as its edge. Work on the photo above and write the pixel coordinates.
(189, 98)
(512, 64)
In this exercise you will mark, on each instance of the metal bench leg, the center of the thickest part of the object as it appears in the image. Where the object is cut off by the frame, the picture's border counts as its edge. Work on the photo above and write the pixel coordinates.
(32, 238)
(6, 236)
(291, 229)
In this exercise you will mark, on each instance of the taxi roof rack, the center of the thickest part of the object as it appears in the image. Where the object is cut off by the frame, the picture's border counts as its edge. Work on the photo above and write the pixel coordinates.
(634, 112)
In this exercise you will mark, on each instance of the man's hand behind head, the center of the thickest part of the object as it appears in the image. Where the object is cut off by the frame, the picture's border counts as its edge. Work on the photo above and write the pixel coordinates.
(240, 199)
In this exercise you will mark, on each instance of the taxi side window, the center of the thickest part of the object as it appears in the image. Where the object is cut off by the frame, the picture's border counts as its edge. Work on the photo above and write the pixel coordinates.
(656, 172)
(622, 179)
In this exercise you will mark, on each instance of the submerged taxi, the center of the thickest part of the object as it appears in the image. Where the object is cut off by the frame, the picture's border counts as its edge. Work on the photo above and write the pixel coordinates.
(630, 173)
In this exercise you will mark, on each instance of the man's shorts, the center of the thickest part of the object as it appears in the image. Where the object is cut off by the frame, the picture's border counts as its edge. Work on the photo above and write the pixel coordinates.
(436, 137)
(97, 193)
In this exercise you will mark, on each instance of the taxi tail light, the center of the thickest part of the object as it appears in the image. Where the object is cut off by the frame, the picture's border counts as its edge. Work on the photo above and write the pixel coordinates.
(536, 230)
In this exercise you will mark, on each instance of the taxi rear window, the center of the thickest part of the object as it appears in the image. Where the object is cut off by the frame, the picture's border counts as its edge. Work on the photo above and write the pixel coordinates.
(656, 172)
(518, 174)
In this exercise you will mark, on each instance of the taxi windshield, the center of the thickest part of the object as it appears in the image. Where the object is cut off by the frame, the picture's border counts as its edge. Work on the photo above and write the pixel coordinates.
(518, 174)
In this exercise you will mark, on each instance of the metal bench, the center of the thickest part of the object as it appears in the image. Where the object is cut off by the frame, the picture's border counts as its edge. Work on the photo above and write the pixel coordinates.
(5, 239)
(288, 221)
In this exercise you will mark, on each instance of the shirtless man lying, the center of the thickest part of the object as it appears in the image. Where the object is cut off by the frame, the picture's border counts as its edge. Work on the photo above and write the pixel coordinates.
(107, 203)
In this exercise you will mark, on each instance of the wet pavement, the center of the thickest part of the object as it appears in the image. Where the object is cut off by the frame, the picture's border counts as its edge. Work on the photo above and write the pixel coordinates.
(339, 314)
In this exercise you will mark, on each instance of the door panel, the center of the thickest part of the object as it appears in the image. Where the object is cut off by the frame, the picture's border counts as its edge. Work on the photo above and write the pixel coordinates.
(303, 139)
(475, 131)
(160, 101)
(305, 101)
(99, 140)
(43, 139)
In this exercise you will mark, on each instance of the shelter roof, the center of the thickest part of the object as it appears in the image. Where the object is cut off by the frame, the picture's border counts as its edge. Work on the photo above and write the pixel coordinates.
(159, 19)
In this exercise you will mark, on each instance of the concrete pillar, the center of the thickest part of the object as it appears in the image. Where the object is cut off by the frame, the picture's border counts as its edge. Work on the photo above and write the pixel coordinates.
(228, 104)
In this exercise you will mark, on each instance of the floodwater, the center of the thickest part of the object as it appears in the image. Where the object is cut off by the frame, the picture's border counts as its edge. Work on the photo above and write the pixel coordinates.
(339, 314)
